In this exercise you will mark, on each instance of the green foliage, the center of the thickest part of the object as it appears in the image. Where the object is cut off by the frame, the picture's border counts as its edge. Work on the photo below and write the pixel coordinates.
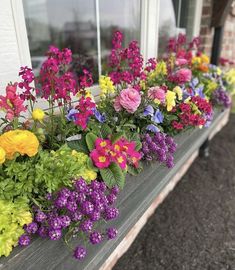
(47, 172)
(113, 175)
(79, 145)
(13, 215)
(90, 140)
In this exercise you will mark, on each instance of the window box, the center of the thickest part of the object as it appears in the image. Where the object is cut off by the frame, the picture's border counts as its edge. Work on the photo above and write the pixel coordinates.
(139, 199)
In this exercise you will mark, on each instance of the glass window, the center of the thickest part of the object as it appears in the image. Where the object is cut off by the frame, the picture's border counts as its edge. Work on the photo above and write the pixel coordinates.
(122, 15)
(176, 16)
(70, 23)
(73, 24)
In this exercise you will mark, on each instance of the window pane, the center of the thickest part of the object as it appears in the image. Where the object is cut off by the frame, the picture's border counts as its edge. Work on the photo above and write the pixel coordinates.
(123, 15)
(175, 16)
(70, 23)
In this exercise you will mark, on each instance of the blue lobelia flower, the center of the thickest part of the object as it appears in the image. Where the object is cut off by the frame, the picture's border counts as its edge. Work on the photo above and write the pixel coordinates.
(153, 128)
(71, 116)
(148, 111)
(199, 91)
(158, 117)
(100, 117)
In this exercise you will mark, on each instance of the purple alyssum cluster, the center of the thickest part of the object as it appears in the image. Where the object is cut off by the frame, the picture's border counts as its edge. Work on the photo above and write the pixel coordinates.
(79, 208)
(220, 97)
(159, 147)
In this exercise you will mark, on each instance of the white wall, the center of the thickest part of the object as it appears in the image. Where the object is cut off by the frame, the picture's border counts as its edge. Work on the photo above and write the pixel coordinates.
(13, 45)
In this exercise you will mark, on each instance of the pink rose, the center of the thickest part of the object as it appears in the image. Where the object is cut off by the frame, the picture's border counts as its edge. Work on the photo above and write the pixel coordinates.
(117, 106)
(183, 75)
(130, 99)
(157, 93)
(181, 61)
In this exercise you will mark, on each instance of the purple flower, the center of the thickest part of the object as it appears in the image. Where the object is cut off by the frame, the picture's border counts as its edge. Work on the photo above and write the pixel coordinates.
(71, 206)
(77, 216)
(102, 187)
(24, 240)
(100, 117)
(32, 228)
(81, 197)
(65, 221)
(79, 253)
(111, 213)
(152, 128)
(55, 234)
(95, 185)
(111, 233)
(148, 111)
(115, 190)
(42, 231)
(95, 237)
(80, 185)
(87, 207)
(40, 216)
(55, 223)
(111, 198)
(65, 192)
(86, 225)
(157, 117)
(72, 115)
(61, 201)
(95, 216)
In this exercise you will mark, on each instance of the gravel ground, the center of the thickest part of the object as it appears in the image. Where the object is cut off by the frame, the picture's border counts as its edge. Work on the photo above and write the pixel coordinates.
(194, 228)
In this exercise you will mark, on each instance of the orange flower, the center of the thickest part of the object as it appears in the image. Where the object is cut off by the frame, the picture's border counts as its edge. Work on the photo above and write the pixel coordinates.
(23, 142)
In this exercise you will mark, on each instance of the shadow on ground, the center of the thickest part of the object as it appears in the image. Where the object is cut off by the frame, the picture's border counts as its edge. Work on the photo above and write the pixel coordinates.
(195, 226)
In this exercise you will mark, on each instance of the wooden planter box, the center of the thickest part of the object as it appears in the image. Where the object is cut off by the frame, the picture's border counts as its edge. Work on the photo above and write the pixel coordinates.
(138, 200)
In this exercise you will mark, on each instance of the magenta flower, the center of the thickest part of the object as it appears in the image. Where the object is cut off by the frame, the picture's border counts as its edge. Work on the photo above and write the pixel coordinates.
(157, 93)
(183, 75)
(130, 99)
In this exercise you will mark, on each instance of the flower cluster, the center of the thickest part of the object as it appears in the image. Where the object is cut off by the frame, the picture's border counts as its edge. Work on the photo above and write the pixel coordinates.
(12, 103)
(27, 77)
(159, 147)
(193, 112)
(121, 152)
(220, 97)
(81, 208)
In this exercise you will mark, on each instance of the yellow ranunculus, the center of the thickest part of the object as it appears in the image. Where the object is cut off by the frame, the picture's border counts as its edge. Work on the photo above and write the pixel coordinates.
(179, 92)
(19, 141)
(170, 100)
(2, 155)
(205, 59)
(38, 114)
(196, 60)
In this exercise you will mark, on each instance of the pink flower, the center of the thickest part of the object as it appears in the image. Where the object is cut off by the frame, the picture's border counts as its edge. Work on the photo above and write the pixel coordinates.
(183, 75)
(99, 159)
(117, 106)
(130, 99)
(157, 93)
(181, 61)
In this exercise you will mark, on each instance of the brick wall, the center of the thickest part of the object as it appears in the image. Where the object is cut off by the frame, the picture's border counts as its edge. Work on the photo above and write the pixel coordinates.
(206, 32)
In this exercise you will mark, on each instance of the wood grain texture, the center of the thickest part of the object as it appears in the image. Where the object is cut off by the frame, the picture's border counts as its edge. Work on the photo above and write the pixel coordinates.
(134, 200)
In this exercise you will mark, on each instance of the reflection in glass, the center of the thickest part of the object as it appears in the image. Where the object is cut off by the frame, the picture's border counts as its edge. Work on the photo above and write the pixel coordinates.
(123, 15)
(70, 23)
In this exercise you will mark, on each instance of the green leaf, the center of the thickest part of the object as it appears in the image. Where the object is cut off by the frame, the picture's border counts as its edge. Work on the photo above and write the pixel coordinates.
(135, 171)
(105, 131)
(117, 136)
(90, 140)
(79, 145)
(113, 175)
(90, 165)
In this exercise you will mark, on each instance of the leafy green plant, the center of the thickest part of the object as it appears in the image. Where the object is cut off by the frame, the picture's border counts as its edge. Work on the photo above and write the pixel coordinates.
(13, 215)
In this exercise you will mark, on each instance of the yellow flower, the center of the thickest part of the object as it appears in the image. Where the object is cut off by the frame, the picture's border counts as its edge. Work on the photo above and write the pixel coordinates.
(161, 68)
(88, 175)
(2, 155)
(170, 100)
(38, 114)
(179, 92)
(205, 59)
(230, 76)
(218, 71)
(19, 141)
(143, 85)
(196, 60)
(106, 85)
